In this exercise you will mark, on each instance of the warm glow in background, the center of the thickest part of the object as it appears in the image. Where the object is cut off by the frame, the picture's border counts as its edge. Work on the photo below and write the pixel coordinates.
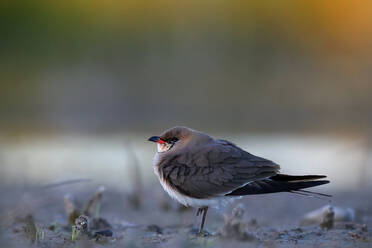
(122, 64)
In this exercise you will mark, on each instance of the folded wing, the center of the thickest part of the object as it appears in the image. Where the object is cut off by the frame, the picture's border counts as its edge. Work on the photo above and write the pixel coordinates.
(216, 169)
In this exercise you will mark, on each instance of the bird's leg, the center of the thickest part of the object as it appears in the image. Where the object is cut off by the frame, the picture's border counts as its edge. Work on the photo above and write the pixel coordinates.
(204, 210)
(200, 210)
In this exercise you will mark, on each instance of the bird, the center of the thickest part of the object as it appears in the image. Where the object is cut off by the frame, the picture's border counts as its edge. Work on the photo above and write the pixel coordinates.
(200, 171)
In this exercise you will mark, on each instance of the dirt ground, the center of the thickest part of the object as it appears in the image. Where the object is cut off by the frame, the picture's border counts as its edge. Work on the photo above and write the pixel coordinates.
(36, 216)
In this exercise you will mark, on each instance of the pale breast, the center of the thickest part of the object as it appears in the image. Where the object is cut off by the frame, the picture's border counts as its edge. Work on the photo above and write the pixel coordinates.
(186, 200)
(216, 202)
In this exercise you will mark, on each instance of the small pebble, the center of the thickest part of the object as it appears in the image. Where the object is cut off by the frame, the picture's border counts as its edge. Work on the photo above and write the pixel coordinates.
(349, 226)
(154, 228)
(106, 233)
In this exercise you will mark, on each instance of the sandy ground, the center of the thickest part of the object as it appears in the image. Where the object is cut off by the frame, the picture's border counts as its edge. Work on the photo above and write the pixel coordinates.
(36, 216)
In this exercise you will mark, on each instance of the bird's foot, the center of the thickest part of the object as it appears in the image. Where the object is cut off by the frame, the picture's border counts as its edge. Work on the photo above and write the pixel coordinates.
(200, 233)
(203, 233)
(201, 210)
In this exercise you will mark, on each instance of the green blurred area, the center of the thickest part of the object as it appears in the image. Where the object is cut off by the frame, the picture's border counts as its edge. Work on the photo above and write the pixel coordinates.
(212, 65)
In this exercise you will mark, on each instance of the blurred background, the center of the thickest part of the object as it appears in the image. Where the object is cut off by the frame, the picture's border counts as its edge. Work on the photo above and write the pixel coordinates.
(84, 83)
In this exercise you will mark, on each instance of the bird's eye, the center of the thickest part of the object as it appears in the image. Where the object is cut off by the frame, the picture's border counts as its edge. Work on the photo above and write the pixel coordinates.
(173, 140)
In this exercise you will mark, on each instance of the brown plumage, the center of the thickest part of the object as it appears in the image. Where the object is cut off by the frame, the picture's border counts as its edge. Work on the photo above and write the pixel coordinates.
(201, 171)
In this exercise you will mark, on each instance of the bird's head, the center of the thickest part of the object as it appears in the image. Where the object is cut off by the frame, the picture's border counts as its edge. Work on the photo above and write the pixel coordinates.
(172, 138)
(180, 139)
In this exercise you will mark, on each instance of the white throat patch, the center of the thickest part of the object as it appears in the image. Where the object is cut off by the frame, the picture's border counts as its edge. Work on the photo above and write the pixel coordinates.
(164, 147)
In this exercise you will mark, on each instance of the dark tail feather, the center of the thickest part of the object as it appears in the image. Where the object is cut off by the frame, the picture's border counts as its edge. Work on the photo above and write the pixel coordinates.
(289, 178)
(280, 183)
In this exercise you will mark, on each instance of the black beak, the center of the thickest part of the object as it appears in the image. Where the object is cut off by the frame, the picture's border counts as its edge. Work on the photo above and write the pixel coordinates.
(154, 138)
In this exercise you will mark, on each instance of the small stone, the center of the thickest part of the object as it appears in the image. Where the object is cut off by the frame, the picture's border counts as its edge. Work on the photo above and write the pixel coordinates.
(341, 214)
(298, 230)
(355, 235)
(253, 223)
(328, 218)
(349, 226)
(99, 223)
(106, 233)
(154, 228)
